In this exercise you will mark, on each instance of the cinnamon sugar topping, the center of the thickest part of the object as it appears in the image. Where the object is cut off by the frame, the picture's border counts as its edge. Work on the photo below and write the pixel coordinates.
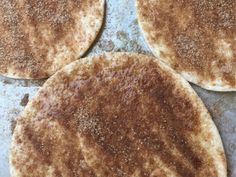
(193, 31)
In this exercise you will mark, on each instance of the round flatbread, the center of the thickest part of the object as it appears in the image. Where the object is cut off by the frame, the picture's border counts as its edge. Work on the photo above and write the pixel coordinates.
(39, 37)
(116, 115)
(197, 38)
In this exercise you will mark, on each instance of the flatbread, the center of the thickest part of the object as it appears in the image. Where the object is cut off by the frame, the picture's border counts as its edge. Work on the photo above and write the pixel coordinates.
(197, 38)
(116, 115)
(39, 37)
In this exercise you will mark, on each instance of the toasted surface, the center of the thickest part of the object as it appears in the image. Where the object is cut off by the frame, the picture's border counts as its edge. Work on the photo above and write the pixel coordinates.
(38, 37)
(196, 38)
(116, 115)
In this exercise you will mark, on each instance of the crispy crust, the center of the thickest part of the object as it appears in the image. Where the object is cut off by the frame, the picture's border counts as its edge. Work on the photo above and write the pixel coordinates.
(37, 38)
(196, 38)
(117, 114)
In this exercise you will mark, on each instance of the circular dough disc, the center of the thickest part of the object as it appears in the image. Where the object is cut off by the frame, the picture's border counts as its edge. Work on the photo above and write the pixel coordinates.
(116, 115)
(39, 37)
(196, 38)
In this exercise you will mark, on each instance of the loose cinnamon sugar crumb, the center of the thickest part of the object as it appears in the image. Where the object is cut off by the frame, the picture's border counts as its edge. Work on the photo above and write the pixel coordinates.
(13, 125)
(24, 100)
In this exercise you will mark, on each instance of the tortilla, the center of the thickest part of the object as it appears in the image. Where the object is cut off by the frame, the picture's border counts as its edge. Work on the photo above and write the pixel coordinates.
(39, 37)
(117, 114)
(195, 38)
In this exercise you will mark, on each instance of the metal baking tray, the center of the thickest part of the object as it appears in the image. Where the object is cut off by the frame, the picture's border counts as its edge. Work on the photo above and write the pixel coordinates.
(120, 33)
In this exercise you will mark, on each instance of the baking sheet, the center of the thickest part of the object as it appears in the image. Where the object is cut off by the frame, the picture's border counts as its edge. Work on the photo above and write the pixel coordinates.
(120, 33)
